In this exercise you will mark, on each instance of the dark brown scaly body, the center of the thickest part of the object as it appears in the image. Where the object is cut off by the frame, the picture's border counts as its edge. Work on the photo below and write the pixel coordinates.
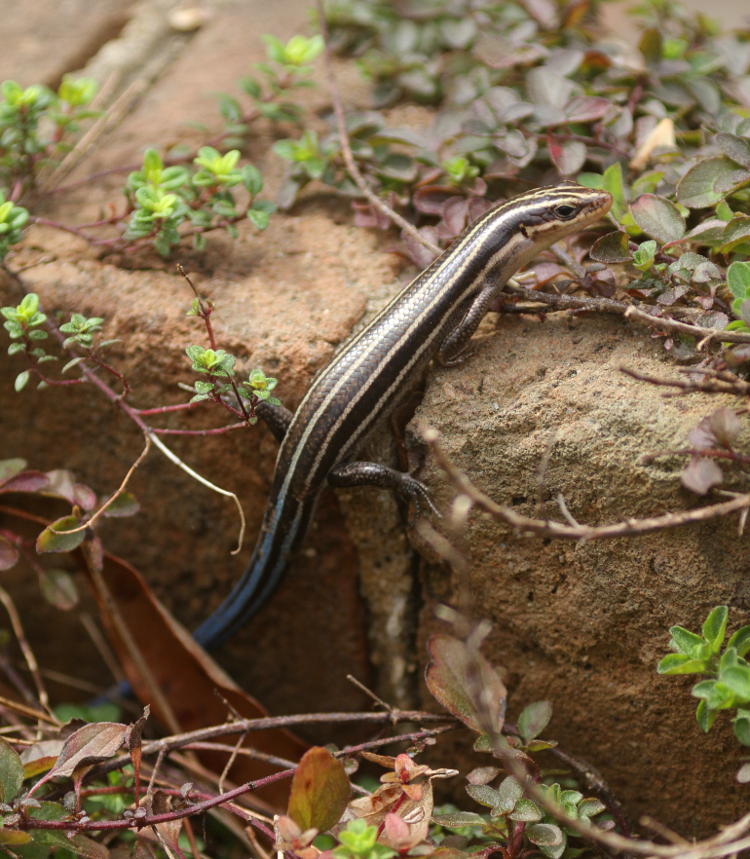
(434, 315)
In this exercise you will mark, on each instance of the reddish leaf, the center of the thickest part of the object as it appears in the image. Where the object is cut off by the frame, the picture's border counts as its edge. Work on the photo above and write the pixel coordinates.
(62, 484)
(95, 742)
(701, 474)
(725, 426)
(320, 791)
(567, 155)
(196, 689)
(9, 554)
(194, 686)
(587, 108)
(462, 680)
(25, 481)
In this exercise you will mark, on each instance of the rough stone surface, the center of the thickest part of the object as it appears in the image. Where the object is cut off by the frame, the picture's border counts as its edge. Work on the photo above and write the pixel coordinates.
(543, 409)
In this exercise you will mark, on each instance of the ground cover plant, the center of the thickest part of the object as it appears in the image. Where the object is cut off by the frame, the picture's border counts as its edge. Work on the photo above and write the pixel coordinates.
(521, 95)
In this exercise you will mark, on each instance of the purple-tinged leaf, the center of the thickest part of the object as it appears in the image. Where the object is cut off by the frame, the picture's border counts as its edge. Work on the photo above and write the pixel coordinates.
(25, 481)
(548, 88)
(89, 744)
(568, 156)
(725, 426)
(708, 232)
(9, 554)
(483, 775)
(465, 683)
(658, 217)
(320, 791)
(62, 484)
(701, 474)
(587, 108)
(430, 199)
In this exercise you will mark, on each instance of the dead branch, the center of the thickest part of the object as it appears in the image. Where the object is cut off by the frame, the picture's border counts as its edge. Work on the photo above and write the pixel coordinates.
(551, 528)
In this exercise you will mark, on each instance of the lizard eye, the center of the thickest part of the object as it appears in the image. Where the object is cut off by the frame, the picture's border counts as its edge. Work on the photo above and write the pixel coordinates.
(565, 212)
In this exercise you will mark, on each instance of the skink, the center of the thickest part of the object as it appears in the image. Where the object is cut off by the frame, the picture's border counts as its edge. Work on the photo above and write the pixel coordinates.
(434, 316)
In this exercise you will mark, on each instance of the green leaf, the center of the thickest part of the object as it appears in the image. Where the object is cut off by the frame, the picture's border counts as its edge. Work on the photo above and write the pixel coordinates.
(509, 791)
(734, 147)
(320, 791)
(526, 811)
(738, 279)
(685, 641)
(612, 247)
(59, 589)
(705, 717)
(710, 181)
(21, 380)
(9, 468)
(741, 724)
(544, 834)
(11, 773)
(658, 217)
(458, 819)
(715, 627)
(534, 719)
(737, 678)
(483, 794)
(126, 503)
(740, 640)
(680, 663)
(49, 541)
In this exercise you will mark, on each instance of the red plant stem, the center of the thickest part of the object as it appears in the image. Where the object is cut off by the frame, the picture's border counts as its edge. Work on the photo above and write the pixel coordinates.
(166, 817)
(216, 431)
(208, 801)
(177, 407)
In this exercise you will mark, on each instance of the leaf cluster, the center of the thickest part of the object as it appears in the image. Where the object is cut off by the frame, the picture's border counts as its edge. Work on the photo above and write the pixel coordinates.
(164, 198)
(727, 685)
(37, 124)
(286, 69)
(218, 365)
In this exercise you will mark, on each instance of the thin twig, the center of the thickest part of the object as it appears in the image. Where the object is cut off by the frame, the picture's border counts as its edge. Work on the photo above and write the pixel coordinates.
(117, 493)
(641, 313)
(29, 712)
(550, 528)
(28, 653)
(239, 726)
